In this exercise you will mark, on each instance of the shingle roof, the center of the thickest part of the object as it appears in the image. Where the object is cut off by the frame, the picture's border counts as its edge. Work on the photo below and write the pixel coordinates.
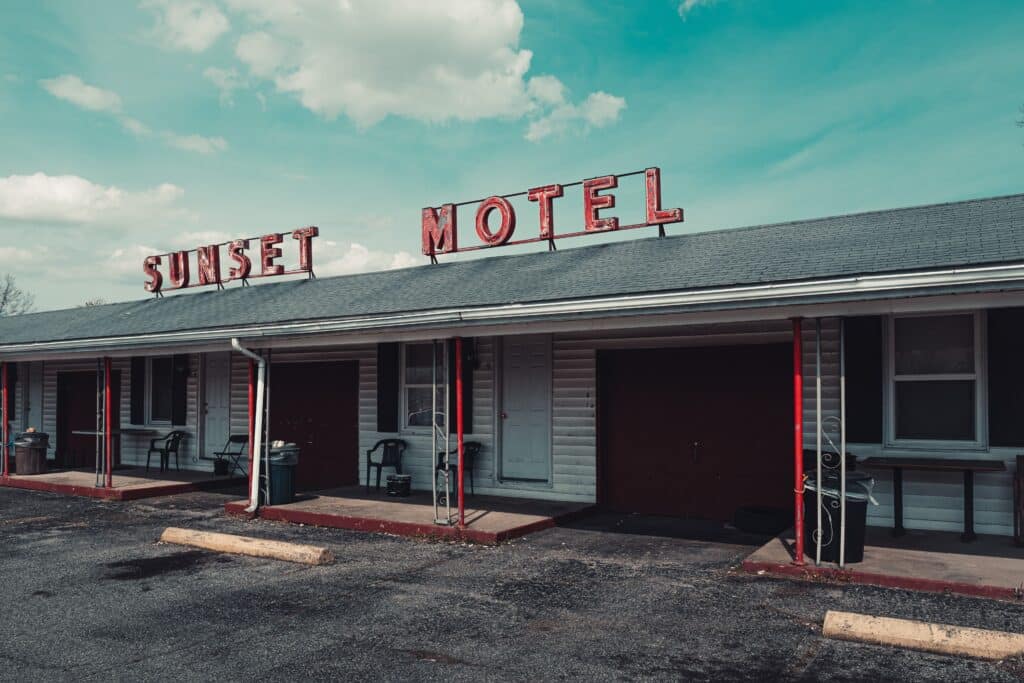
(975, 232)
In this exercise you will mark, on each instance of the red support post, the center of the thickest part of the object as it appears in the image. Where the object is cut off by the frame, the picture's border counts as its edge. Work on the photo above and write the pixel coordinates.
(798, 439)
(108, 410)
(252, 415)
(5, 426)
(459, 427)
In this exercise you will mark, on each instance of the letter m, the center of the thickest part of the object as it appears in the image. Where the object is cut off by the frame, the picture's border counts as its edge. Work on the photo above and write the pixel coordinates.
(439, 231)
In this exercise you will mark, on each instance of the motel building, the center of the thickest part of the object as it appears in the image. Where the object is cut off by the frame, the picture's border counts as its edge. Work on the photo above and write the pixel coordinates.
(687, 375)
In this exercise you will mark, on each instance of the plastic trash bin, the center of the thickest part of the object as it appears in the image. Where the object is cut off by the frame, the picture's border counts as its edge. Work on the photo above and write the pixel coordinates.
(858, 495)
(399, 485)
(283, 460)
(30, 452)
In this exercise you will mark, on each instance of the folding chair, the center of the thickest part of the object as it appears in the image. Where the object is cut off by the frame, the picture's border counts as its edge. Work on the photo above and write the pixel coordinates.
(237, 446)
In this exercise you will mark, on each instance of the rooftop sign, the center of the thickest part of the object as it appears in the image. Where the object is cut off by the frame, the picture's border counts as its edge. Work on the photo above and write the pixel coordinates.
(440, 225)
(208, 264)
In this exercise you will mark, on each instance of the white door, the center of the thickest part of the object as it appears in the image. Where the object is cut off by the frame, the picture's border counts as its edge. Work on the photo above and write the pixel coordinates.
(526, 408)
(217, 399)
(34, 405)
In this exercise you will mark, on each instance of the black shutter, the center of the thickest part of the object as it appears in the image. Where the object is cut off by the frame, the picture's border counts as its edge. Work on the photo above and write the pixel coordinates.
(138, 390)
(1005, 377)
(864, 379)
(468, 360)
(12, 383)
(179, 390)
(387, 387)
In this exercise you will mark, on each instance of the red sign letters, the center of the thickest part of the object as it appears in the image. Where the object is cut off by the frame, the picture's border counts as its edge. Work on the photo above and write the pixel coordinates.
(208, 267)
(440, 225)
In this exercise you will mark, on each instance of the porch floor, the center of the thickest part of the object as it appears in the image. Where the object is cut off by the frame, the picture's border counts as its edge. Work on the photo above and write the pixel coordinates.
(130, 483)
(489, 519)
(991, 566)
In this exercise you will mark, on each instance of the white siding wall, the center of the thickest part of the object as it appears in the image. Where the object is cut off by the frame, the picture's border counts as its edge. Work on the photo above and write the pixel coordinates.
(133, 448)
(930, 500)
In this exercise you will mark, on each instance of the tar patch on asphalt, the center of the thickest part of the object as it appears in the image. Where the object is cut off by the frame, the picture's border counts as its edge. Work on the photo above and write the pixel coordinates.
(148, 567)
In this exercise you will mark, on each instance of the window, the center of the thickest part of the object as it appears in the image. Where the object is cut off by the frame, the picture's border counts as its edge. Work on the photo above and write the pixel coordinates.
(934, 379)
(418, 362)
(161, 389)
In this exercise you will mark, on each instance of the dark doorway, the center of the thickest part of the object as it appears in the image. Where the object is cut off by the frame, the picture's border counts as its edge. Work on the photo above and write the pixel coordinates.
(695, 432)
(316, 405)
(76, 411)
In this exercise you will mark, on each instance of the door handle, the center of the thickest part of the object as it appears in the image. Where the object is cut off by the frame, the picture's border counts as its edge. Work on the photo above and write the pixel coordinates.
(504, 415)
(695, 446)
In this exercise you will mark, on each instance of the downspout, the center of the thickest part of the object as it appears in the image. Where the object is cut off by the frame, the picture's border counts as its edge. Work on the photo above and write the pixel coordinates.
(798, 439)
(256, 445)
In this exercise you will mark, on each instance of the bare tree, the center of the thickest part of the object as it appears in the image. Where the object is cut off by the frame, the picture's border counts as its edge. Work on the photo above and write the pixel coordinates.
(13, 299)
(98, 301)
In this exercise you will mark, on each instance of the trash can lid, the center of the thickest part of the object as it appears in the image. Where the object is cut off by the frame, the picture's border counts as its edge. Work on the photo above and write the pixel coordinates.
(858, 486)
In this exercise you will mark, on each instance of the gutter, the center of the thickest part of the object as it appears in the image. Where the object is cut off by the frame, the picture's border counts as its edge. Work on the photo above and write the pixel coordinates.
(257, 442)
(724, 297)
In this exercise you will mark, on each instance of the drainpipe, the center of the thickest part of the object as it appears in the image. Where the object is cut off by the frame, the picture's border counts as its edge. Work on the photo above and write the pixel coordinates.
(798, 439)
(256, 445)
(5, 425)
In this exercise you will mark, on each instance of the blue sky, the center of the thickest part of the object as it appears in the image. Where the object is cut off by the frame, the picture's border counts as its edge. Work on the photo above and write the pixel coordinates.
(131, 128)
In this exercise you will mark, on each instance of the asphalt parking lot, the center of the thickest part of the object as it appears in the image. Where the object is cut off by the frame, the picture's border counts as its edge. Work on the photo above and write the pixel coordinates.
(87, 593)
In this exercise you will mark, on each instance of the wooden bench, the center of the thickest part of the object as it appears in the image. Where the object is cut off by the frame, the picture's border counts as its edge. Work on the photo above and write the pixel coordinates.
(968, 467)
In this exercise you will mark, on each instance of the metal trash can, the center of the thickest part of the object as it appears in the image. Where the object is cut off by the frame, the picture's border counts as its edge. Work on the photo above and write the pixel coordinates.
(858, 494)
(399, 485)
(283, 459)
(30, 452)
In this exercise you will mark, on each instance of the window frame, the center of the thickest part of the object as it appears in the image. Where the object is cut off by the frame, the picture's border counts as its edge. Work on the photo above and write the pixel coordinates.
(979, 377)
(403, 388)
(150, 420)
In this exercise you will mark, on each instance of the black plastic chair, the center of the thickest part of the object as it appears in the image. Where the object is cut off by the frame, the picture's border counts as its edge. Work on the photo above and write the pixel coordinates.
(236, 447)
(391, 456)
(470, 449)
(170, 444)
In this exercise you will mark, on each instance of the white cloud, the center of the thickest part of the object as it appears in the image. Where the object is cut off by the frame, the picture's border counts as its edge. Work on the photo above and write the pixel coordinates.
(333, 258)
(597, 111)
(187, 24)
(227, 81)
(546, 89)
(73, 199)
(196, 143)
(687, 6)
(74, 90)
(134, 126)
(15, 254)
(369, 59)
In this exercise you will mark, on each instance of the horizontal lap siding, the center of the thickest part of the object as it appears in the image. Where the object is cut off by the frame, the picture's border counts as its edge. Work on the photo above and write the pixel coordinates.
(931, 500)
(133, 448)
(418, 459)
(574, 421)
(364, 355)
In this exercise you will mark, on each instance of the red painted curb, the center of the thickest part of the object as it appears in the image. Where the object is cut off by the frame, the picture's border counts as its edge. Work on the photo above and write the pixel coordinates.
(115, 493)
(411, 529)
(809, 573)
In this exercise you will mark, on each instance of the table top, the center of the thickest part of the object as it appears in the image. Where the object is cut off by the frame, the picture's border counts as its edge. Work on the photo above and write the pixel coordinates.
(938, 464)
(138, 431)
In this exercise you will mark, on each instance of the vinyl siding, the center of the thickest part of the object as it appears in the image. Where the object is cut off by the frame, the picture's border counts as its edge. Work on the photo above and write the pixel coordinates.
(931, 500)
(133, 448)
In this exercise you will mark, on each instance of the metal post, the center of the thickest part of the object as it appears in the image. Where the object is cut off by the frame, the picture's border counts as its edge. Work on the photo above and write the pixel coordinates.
(99, 424)
(459, 427)
(842, 443)
(265, 445)
(817, 429)
(108, 411)
(5, 426)
(252, 416)
(433, 424)
(798, 438)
